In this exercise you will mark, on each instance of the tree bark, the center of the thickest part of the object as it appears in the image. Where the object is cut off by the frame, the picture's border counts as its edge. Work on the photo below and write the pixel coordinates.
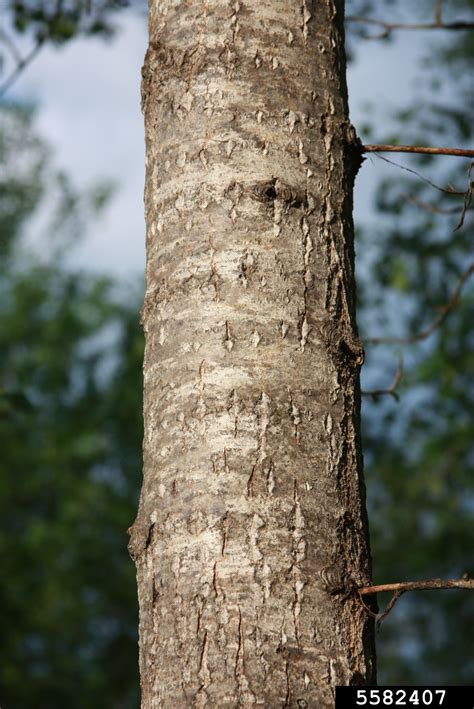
(251, 531)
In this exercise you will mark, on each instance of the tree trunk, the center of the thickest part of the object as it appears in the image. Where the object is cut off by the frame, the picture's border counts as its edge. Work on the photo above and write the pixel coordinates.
(251, 531)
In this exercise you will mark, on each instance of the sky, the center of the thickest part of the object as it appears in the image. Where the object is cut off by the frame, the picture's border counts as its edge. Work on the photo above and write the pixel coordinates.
(88, 100)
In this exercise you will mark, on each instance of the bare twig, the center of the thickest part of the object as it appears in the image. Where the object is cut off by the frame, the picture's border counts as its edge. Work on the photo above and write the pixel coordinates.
(451, 190)
(391, 391)
(467, 197)
(20, 61)
(439, 320)
(21, 64)
(425, 150)
(446, 210)
(438, 12)
(398, 589)
(10, 45)
(429, 207)
(427, 585)
(389, 27)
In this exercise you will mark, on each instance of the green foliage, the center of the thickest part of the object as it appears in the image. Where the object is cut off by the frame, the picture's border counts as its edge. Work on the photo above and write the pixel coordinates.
(61, 20)
(20, 186)
(70, 434)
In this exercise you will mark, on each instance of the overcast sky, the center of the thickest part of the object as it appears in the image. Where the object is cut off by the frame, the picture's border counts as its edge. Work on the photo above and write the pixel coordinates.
(89, 111)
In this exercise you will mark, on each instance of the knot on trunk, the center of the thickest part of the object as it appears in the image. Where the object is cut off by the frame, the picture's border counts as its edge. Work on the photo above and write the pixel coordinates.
(267, 191)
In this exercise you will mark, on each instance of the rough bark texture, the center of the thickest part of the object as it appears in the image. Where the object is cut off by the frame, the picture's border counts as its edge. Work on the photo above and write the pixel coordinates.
(251, 530)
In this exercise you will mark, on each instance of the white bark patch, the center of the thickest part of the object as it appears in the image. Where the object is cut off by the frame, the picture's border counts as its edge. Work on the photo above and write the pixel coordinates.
(181, 159)
(270, 478)
(187, 101)
(305, 329)
(277, 216)
(299, 553)
(301, 153)
(179, 203)
(267, 584)
(255, 339)
(308, 248)
(311, 204)
(292, 120)
(328, 424)
(306, 18)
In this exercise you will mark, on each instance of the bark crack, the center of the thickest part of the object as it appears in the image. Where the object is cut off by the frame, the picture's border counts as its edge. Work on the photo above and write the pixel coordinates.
(299, 554)
(204, 675)
(263, 419)
(242, 682)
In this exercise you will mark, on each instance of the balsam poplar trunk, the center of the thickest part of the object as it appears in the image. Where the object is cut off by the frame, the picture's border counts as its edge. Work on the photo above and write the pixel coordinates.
(251, 529)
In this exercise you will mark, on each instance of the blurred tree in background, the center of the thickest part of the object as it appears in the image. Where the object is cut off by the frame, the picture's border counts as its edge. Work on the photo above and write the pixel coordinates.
(418, 453)
(70, 397)
(70, 432)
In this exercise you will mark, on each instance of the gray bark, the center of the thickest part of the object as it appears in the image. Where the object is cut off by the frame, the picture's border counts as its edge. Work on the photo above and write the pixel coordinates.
(251, 530)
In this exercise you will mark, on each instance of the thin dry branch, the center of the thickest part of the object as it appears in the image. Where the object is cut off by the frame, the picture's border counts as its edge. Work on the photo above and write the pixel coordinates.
(389, 27)
(428, 207)
(425, 150)
(450, 190)
(439, 320)
(467, 197)
(446, 210)
(7, 41)
(398, 589)
(427, 585)
(391, 390)
(20, 65)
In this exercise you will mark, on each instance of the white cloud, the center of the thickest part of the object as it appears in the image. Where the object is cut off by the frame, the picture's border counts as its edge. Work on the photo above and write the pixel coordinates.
(88, 94)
